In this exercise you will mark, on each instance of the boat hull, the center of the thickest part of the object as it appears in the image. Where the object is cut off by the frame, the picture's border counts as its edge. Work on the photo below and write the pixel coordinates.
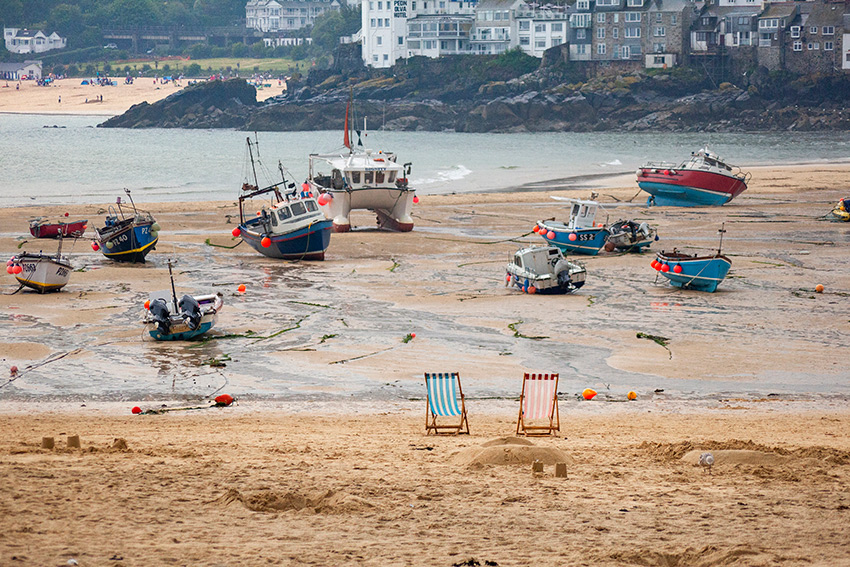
(180, 331)
(391, 205)
(306, 243)
(699, 273)
(42, 273)
(587, 241)
(130, 243)
(688, 188)
(53, 230)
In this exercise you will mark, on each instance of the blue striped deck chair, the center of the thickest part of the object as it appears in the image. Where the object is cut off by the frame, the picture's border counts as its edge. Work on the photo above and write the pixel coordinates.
(445, 400)
(538, 403)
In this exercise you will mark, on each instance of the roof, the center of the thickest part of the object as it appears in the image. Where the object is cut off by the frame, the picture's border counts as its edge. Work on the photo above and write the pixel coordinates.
(780, 10)
(498, 4)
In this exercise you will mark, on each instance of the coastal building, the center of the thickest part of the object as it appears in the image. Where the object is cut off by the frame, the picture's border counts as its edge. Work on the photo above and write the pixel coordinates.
(815, 38)
(271, 16)
(494, 19)
(539, 28)
(26, 41)
(845, 42)
(17, 71)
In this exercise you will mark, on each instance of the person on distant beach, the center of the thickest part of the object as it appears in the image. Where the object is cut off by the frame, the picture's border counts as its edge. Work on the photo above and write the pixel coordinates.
(60, 99)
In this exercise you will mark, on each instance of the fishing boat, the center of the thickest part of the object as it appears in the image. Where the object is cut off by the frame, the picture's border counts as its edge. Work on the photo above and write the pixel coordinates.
(290, 226)
(630, 236)
(167, 319)
(129, 238)
(358, 178)
(41, 227)
(581, 234)
(39, 271)
(704, 179)
(702, 273)
(544, 269)
(840, 211)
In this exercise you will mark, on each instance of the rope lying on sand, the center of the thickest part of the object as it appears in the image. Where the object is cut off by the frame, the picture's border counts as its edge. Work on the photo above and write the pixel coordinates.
(51, 358)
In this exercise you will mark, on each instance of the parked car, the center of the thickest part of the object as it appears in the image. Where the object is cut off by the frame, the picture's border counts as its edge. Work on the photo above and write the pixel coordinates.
(110, 46)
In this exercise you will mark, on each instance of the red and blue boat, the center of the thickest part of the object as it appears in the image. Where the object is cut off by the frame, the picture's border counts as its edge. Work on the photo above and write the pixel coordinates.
(704, 179)
(290, 226)
(129, 238)
(685, 271)
(581, 234)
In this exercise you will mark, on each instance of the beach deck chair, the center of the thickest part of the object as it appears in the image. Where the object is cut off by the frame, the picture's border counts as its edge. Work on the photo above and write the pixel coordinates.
(538, 403)
(445, 400)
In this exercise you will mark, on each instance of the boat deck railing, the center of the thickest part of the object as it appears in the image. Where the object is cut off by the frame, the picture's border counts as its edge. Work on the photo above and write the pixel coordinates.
(662, 165)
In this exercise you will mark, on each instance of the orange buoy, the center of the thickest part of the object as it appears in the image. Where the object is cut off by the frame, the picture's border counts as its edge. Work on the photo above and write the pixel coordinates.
(266, 242)
(241, 288)
(224, 400)
(632, 396)
(819, 288)
(572, 236)
(148, 304)
(588, 394)
(665, 268)
(236, 232)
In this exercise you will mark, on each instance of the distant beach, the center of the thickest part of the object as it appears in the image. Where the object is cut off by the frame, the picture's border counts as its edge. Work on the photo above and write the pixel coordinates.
(70, 96)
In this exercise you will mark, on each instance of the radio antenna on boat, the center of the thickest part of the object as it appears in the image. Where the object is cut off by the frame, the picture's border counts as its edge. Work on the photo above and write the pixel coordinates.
(131, 198)
(251, 155)
(721, 231)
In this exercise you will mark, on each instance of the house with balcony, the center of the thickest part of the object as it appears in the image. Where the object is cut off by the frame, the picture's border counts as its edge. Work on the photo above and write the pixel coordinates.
(538, 28)
(275, 16)
(27, 41)
(772, 28)
(435, 35)
(491, 31)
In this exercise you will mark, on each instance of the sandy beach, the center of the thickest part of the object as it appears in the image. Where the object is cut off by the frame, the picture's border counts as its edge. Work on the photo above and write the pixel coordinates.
(323, 460)
(70, 96)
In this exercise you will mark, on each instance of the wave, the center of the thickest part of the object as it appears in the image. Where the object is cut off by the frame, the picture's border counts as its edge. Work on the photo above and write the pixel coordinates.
(454, 173)
(614, 162)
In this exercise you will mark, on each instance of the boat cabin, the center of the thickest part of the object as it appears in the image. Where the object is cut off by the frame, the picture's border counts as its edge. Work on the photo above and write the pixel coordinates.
(705, 159)
(583, 214)
(539, 260)
(358, 171)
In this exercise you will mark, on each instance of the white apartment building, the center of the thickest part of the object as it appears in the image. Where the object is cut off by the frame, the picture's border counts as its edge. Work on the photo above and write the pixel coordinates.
(271, 16)
(538, 29)
(26, 41)
(433, 28)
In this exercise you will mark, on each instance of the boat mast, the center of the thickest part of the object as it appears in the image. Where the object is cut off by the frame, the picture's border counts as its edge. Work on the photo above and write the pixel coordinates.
(251, 155)
(721, 231)
(131, 199)
(173, 291)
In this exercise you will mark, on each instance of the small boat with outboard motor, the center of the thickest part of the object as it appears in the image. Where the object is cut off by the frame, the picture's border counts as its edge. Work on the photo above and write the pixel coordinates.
(704, 179)
(841, 211)
(702, 273)
(125, 236)
(581, 234)
(630, 236)
(544, 269)
(167, 319)
(290, 226)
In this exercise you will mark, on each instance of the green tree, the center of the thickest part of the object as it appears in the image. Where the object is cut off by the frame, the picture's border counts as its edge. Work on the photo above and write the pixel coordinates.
(11, 13)
(67, 21)
(334, 24)
(135, 13)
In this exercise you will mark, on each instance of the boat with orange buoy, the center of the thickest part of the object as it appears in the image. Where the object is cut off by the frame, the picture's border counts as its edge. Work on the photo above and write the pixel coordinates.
(289, 226)
(704, 179)
(39, 271)
(702, 273)
(358, 178)
(544, 269)
(581, 234)
(841, 211)
(167, 319)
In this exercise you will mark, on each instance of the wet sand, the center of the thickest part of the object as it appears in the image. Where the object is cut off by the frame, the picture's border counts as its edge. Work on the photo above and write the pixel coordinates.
(325, 461)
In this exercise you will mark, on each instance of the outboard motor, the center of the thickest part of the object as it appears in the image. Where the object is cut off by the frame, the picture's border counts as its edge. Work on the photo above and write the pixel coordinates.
(159, 312)
(564, 280)
(190, 310)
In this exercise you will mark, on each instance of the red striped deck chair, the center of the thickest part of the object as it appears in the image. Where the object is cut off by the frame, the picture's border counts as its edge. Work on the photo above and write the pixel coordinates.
(539, 403)
(445, 400)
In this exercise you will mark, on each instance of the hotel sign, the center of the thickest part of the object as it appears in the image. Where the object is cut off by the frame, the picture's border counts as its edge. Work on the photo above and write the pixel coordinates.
(400, 8)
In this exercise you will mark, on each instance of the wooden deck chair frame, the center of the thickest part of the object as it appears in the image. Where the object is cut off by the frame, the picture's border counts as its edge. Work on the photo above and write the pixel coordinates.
(538, 401)
(444, 400)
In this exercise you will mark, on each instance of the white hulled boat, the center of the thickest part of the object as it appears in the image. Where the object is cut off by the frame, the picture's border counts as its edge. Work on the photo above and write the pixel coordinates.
(357, 178)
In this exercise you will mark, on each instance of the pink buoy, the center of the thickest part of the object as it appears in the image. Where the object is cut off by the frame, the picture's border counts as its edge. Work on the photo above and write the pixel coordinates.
(572, 236)
(322, 200)
(550, 235)
(665, 268)
(10, 270)
(677, 268)
(415, 199)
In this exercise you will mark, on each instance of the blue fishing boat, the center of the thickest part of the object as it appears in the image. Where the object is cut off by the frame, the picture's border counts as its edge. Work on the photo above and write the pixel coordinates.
(167, 319)
(129, 238)
(291, 226)
(702, 273)
(581, 234)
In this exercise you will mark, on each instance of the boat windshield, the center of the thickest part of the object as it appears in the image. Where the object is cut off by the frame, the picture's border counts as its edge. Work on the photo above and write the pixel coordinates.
(283, 213)
(354, 177)
(311, 206)
(298, 208)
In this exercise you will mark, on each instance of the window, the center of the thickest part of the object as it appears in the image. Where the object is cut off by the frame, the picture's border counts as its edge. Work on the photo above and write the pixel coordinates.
(523, 40)
(374, 59)
(795, 31)
(283, 213)
(379, 177)
(814, 46)
(828, 46)
(401, 40)
(705, 21)
(813, 30)
(632, 33)
(658, 60)
(355, 177)
(557, 27)
(616, 18)
(768, 23)
(412, 44)
(380, 40)
(311, 206)
(386, 22)
(828, 30)
(673, 19)
(798, 46)
(658, 18)
(660, 31)
(581, 34)
(626, 53)
(541, 44)
(632, 16)
(539, 28)
(659, 47)
(371, 5)
(743, 21)
(600, 18)
(524, 25)
(600, 49)
(615, 33)
(380, 22)
(367, 177)
(498, 16)
(634, 3)
(581, 49)
(380, 6)
(600, 33)
(373, 24)
(298, 208)
(583, 5)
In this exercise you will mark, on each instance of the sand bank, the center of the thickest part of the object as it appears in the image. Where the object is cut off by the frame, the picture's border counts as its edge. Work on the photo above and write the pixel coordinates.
(69, 96)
